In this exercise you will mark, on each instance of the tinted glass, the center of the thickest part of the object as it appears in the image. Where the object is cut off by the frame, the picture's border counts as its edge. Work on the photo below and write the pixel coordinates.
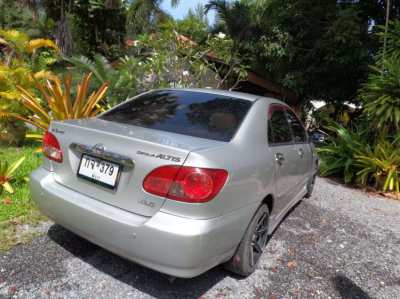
(278, 127)
(198, 114)
(297, 128)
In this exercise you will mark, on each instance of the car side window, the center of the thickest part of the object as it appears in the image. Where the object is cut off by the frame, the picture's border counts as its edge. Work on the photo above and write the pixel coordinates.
(298, 131)
(278, 127)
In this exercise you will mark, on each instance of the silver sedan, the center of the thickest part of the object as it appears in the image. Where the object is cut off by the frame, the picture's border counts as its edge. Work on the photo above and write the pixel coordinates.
(178, 180)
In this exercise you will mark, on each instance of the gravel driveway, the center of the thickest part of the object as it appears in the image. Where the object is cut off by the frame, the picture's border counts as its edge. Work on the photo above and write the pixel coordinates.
(341, 243)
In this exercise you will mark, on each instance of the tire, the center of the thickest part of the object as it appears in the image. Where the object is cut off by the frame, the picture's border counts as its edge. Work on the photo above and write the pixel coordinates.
(250, 249)
(310, 186)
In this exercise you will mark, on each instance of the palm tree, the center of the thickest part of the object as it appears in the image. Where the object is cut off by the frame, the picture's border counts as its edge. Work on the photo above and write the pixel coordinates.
(237, 19)
(144, 15)
(234, 18)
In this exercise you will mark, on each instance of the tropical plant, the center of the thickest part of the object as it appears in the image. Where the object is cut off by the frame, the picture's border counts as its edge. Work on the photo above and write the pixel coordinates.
(18, 62)
(21, 59)
(355, 156)
(122, 79)
(380, 165)
(7, 174)
(338, 156)
(144, 16)
(236, 18)
(381, 93)
(57, 103)
(194, 25)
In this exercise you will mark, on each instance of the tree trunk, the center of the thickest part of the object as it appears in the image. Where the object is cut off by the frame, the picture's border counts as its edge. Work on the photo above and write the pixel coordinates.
(63, 33)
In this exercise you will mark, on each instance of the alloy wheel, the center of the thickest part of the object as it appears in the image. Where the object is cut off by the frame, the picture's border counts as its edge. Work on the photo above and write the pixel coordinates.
(259, 239)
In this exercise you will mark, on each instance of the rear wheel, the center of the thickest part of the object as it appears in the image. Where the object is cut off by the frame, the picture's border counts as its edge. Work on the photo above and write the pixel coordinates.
(247, 255)
(310, 186)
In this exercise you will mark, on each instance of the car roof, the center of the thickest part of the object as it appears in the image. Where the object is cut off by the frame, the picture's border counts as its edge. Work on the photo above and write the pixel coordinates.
(240, 95)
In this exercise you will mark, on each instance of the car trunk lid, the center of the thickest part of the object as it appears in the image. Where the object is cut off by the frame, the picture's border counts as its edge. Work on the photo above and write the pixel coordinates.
(138, 151)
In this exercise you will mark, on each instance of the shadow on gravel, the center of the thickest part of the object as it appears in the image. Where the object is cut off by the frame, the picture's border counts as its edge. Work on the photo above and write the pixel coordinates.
(141, 278)
(348, 289)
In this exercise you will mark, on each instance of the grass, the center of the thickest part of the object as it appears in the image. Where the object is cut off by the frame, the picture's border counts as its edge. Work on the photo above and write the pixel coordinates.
(12, 233)
(18, 208)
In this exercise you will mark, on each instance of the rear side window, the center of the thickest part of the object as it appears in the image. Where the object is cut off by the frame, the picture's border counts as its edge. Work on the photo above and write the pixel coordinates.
(192, 113)
(278, 127)
(298, 131)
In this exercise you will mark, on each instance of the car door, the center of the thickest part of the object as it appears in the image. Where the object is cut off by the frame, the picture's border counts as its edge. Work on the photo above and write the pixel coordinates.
(280, 141)
(303, 150)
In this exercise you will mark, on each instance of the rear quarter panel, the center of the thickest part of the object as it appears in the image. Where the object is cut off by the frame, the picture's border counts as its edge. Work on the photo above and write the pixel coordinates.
(250, 166)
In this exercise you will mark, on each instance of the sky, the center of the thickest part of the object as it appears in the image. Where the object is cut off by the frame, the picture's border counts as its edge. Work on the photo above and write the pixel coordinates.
(183, 7)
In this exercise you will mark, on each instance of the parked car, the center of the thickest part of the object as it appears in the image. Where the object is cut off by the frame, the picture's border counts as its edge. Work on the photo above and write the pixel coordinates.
(178, 180)
(318, 137)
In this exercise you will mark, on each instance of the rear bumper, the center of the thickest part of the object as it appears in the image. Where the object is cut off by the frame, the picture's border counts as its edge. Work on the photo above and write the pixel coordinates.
(167, 243)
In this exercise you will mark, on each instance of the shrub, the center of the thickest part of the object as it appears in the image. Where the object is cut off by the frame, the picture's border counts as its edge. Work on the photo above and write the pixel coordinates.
(338, 156)
(381, 93)
(380, 165)
(21, 59)
(349, 154)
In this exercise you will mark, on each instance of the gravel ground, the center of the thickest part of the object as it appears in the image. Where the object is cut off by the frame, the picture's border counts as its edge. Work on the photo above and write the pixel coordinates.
(341, 243)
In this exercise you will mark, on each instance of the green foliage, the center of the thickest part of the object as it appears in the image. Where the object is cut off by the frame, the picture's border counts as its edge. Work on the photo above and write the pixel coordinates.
(194, 25)
(338, 156)
(164, 59)
(380, 165)
(144, 16)
(18, 203)
(381, 93)
(319, 49)
(88, 26)
(235, 18)
(372, 158)
(21, 59)
(233, 68)
(350, 155)
(122, 79)
(56, 102)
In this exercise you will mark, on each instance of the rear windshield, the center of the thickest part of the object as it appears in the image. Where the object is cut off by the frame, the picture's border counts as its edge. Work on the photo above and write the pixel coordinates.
(197, 114)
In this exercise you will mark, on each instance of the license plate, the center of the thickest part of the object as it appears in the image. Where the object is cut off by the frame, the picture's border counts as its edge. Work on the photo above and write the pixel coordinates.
(99, 171)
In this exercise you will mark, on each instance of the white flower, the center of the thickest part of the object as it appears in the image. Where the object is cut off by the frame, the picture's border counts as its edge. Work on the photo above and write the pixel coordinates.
(221, 35)
(185, 73)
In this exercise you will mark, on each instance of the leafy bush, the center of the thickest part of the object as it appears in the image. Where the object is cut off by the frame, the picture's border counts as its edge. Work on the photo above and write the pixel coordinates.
(348, 154)
(21, 59)
(380, 165)
(122, 79)
(381, 93)
(338, 156)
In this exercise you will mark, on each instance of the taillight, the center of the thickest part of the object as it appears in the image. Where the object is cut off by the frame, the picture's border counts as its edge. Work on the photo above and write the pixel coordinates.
(187, 184)
(51, 147)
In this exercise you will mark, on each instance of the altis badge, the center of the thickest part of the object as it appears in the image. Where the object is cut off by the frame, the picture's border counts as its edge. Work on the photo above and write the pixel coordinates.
(160, 156)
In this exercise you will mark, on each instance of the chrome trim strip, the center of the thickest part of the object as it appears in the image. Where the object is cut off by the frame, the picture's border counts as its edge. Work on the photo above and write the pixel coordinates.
(113, 157)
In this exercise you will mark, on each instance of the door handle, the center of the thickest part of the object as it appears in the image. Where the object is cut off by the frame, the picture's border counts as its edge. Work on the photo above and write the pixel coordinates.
(300, 152)
(279, 157)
